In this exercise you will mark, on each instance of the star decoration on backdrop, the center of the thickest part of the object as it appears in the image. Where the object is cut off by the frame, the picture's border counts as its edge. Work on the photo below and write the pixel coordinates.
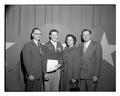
(9, 44)
(107, 50)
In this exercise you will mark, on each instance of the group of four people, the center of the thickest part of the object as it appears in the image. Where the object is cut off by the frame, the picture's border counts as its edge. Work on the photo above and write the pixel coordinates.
(78, 66)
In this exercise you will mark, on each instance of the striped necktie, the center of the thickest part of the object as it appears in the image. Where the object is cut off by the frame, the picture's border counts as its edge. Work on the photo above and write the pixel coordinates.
(39, 45)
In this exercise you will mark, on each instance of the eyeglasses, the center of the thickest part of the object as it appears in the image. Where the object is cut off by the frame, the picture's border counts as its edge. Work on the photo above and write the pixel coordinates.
(37, 33)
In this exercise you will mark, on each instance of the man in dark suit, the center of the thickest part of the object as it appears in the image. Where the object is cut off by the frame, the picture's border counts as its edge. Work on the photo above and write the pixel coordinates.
(33, 60)
(91, 62)
(53, 51)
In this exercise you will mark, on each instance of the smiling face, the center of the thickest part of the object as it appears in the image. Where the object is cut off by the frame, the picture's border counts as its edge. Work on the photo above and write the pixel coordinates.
(54, 36)
(36, 35)
(70, 41)
(86, 36)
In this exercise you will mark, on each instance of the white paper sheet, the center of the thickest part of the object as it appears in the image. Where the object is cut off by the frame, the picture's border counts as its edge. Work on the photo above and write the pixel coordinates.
(51, 65)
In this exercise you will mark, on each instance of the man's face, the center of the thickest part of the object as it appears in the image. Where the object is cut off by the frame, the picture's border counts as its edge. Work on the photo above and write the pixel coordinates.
(36, 35)
(54, 36)
(86, 36)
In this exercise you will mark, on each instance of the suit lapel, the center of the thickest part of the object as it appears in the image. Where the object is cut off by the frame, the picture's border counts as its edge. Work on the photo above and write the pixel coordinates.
(87, 50)
(51, 46)
(34, 44)
(80, 49)
(58, 46)
(37, 49)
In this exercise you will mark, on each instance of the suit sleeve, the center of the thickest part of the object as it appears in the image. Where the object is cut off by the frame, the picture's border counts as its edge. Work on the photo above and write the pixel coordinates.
(98, 60)
(60, 57)
(44, 65)
(44, 60)
(27, 58)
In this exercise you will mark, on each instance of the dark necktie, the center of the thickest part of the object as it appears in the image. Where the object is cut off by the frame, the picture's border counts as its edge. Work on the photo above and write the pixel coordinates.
(39, 45)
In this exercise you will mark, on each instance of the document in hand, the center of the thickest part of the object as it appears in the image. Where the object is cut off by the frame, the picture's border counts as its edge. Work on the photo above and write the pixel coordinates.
(51, 65)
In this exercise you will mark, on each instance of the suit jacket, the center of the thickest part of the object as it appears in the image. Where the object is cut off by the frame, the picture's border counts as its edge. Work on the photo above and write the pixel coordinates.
(91, 60)
(33, 59)
(50, 52)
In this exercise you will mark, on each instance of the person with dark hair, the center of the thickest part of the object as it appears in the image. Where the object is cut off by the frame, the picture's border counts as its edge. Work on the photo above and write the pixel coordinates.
(70, 59)
(91, 52)
(54, 50)
(31, 36)
(82, 40)
(73, 40)
(33, 60)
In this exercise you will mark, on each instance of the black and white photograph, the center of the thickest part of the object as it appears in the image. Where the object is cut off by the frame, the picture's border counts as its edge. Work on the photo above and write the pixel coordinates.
(60, 47)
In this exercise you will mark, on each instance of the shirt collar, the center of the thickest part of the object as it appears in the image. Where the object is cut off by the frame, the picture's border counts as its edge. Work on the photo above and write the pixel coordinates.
(87, 43)
(35, 41)
(53, 42)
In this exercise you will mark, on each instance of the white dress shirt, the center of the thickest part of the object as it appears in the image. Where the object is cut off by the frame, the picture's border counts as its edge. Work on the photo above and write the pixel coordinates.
(36, 42)
(54, 44)
(86, 44)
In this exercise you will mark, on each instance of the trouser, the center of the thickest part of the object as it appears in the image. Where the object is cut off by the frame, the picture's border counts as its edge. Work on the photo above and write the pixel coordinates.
(53, 83)
(87, 85)
(35, 85)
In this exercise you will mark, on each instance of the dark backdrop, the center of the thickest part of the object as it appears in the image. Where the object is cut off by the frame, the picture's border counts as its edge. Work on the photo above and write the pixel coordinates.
(21, 19)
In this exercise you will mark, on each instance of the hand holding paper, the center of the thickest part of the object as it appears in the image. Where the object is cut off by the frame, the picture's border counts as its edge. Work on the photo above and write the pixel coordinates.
(52, 65)
(46, 76)
(58, 66)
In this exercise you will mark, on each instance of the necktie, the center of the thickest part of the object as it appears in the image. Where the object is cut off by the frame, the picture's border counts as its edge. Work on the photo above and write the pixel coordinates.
(39, 45)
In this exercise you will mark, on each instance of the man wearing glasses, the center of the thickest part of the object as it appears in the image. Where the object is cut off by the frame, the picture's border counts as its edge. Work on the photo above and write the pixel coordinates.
(33, 57)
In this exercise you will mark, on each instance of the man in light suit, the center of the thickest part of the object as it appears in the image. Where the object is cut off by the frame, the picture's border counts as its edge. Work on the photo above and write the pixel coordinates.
(53, 50)
(33, 60)
(91, 62)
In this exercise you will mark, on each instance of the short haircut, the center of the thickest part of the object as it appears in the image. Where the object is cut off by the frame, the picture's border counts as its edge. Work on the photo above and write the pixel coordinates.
(33, 30)
(84, 31)
(52, 30)
(70, 35)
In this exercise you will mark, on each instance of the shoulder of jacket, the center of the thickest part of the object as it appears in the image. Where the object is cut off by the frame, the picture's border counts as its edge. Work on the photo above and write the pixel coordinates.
(59, 43)
(79, 45)
(47, 43)
(66, 48)
(28, 43)
(95, 42)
